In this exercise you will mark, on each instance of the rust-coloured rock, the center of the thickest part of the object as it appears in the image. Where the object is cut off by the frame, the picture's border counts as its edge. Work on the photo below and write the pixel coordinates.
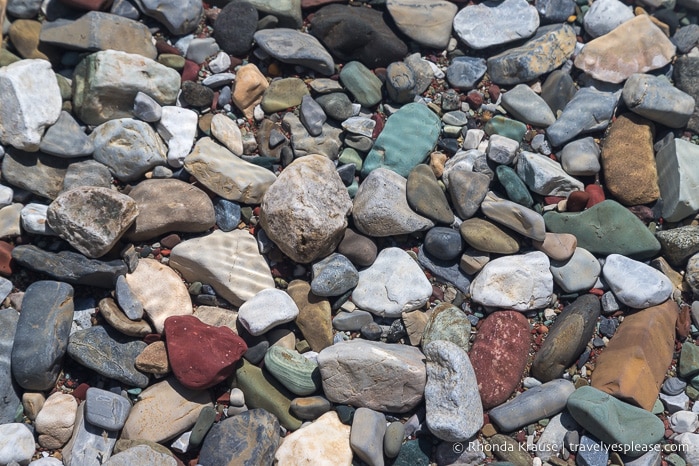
(6, 261)
(632, 367)
(499, 355)
(315, 316)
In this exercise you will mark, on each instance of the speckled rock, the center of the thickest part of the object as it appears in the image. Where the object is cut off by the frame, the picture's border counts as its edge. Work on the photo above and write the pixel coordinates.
(485, 25)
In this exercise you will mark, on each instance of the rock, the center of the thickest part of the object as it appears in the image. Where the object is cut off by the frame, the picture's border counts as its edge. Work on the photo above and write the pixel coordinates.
(179, 19)
(544, 176)
(16, 443)
(154, 359)
(178, 128)
(381, 209)
(165, 410)
(87, 173)
(445, 271)
(379, 376)
(10, 220)
(282, 94)
(91, 219)
(443, 243)
(54, 423)
(105, 409)
(314, 319)
(393, 439)
(361, 83)
(414, 453)
(106, 83)
(581, 157)
(553, 437)
(267, 309)
(579, 273)
(400, 83)
(233, 265)
(88, 442)
(333, 276)
(514, 186)
(612, 58)
(485, 25)
(305, 211)
(488, 237)
(9, 388)
(297, 373)
(655, 98)
(325, 442)
(312, 116)
(676, 178)
(606, 15)
(366, 436)
(47, 313)
(453, 407)
(525, 105)
(108, 353)
(448, 323)
(140, 454)
(567, 338)
(336, 105)
(66, 138)
(606, 228)
(227, 175)
(392, 285)
(684, 69)
(234, 28)
(327, 144)
(38, 173)
(609, 420)
(648, 335)
(555, 11)
(589, 110)
(357, 34)
(426, 24)
(32, 102)
(400, 151)
(357, 248)
(352, 321)
(464, 72)
(514, 216)
(467, 191)
(679, 244)
(534, 404)
(634, 283)
(117, 319)
(530, 288)
(425, 196)
(295, 47)
(249, 437)
(250, 86)
(146, 108)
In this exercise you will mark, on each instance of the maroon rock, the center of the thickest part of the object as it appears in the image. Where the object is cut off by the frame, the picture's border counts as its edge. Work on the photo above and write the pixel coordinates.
(499, 355)
(89, 5)
(201, 355)
(474, 99)
(171, 240)
(190, 71)
(577, 201)
(163, 47)
(596, 194)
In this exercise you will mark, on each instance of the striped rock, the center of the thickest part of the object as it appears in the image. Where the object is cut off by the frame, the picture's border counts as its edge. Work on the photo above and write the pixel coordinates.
(228, 261)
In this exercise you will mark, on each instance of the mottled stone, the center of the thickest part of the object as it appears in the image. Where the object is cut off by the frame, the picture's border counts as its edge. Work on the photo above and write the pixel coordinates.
(678, 178)
(36, 172)
(314, 318)
(467, 190)
(488, 24)
(429, 24)
(655, 98)
(11, 392)
(325, 442)
(589, 110)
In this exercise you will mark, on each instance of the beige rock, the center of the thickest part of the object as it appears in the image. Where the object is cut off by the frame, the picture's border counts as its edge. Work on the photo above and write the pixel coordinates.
(250, 86)
(514, 216)
(325, 442)
(24, 35)
(428, 23)
(10, 220)
(164, 411)
(153, 359)
(558, 246)
(117, 319)
(415, 322)
(228, 133)
(613, 57)
(32, 404)
(217, 317)
(55, 421)
(314, 319)
(160, 290)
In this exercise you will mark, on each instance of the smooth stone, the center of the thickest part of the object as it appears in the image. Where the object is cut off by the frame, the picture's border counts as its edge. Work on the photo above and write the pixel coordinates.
(227, 213)
(205, 421)
(612, 58)
(655, 98)
(128, 147)
(588, 111)
(10, 220)
(606, 228)
(33, 218)
(485, 25)
(427, 24)
(282, 94)
(297, 373)
(606, 15)
(400, 83)
(552, 439)
(333, 276)
(532, 405)
(422, 71)
(235, 26)
(499, 355)
(336, 105)
(557, 90)
(634, 283)
(140, 454)
(393, 439)
(685, 69)
(310, 408)
(47, 313)
(677, 178)
(366, 436)
(88, 442)
(105, 84)
(673, 386)
(266, 310)
(509, 451)
(179, 19)
(581, 157)
(447, 323)
(54, 423)
(117, 319)
(425, 196)
(615, 422)
(392, 285)
(514, 186)
(488, 237)
(648, 335)
(312, 116)
(91, 219)
(361, 83)
(165, 410)
(326, 144)
(325, 442)
(314, 318)
(16, 444)
(226, 174)
(525, 105)
(579, 273)
(443, 243)
(689, 361)
(555, 11)
(146, 108)
(567, 338)
(87, 173)
(379, 376)
(352, 321)
(463, 73)
(295, 47)
(545, 176)
(66, 138)
(154, 359)
(105, 409)
(199, 49)
(473, 261)
(467, 190)
(514, 216)
(108, 353)
(359, 249)
(414, 453)
(36, 172)
(672, 404)
(632, 180)
(127, 300)
(287, 13)
(530, 288)
(10, 390)
(23, 8)
(444, 271)
(249, 89)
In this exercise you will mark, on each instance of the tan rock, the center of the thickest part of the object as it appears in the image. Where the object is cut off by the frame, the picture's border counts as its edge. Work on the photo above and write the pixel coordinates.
(428, 23)
(217, 317)
(24, 35)
(632, 367)
(160, 290)
(628, 161)
(415, 323)
(315, 316)
(55, 421)
(116, 318)
(153, 359)
(613, 57)
(437, 161)
(32, 404)
(250, 86)
(558, 246)
(325, 442)
(227, 132)
(486, 236)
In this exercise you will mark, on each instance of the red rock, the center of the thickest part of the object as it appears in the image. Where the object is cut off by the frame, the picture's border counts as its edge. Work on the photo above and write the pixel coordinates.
(577, 200)
(494, 91)
(552, 200)
(6, 262)
(499, 355)
(163, 47)
(90, 5)
(151, 338)
(190, 71)
(170, 241)
(684, 322)
(201, 355)
(474, 99)
(80, 391)
(379, 125)
(596, 194)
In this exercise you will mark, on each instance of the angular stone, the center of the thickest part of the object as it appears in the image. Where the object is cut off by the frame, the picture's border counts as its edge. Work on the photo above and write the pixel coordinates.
(87, 173)
(379, 376)
(8, 387)
(589, 110)
(89, 445)
(105, 409)
(488, 237)
(525, 105)
(545, 176)
(333, 276)
(429, 24)
(295, 47)
(467, 190)
(250, 85)
(634, 283)
(485, 25)
(325, 442)
(464, 73)
(66, 138)
(232, 265)
(514, 216)
(327, 143)
(153, 359)
(655, 98)
(632, 367)
(178, 128)
(426, 197)
(38, 173)
(679, 244)
(678, 178)
(179, 19)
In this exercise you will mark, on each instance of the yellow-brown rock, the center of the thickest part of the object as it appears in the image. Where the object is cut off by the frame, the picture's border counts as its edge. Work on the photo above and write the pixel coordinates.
(628, 161)
(315, 316)
(24, 35)
(250, 85)
(632, 367)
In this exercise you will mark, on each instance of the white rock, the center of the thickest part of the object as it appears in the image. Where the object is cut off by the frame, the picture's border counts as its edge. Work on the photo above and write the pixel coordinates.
(10, 223)
(178, 128)
(266, 310)
(634, 283)
(521, 282)
(472, 139)
(6, 194)
(220, 63)
(34, 219)
(675, 403)
(392, 285)
(359, 125)
(552, 439)
(546, 177)
(31, 101)
(55, 421)
(325, 442)
(228, 133)
(684, 421)
(181, 443)
(501, 149)
(16, 443)
(678, 178)
(48, 461)
(487, 24)
(690, 444)
(605, 15)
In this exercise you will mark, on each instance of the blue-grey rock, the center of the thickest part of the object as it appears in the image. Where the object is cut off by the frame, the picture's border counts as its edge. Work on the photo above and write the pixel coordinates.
(558, 90)
(352, 321)
(527, 106)
(447, 271)
(464, 72)
(89, 445)
(591, 452)
(295, 47)
(125, 8)
(199, 49)
(400, 83)
(333, 276)
(87, 173)
(228, 214)
(106, 410)
(589, 110)
(6, 287)
(336, 105)
(677, 173)
(249, 438)
(10, 400)
(495, 23)
(179, 18)
(364, 85)
(366, 436)
(312, 116)
(146, 108)
(673, 386)
(42, 334)
(536, 403)
(467, 190)
(655, 98)
(128, 301)
(581, 157)
(579, 273)
(23, 8)
(443, 243)
(235, 26)
(555, 11)
(634, 283)
(607, 326)
(605, 15)
(686, 37)
(66, 139)
(38, 173)
(109, 353)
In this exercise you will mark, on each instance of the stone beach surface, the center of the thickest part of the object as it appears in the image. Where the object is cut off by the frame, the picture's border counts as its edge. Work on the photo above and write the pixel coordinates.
(332, 232)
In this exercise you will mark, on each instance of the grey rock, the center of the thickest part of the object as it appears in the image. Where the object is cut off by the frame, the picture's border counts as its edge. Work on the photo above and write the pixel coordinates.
(555, 11)
(234, 27)
(393, 439)
(581, 157)
(23, 8)
(558, 90)
(328, 143)
(525, 105)
(366, 436)
(287, 13)
(361, 126)
(89, 445)
(455, 118)
(491, 23)
(295, 47)
(652, 458)
(446, 271)
(634, 283)
(146, 108)
(552, 438)
(179, 19)
(422, 71)
(199, 49)
(679, 244)
(686, 37)
(87, 173)
(428, 24)
(400, 83)
(38, 173)
(609, 303)
(605, 15)
(545, 176)
(677, 175)
(465, 72)
(352, 321)
(443, 243)
(655, 98)
(127, 300)
(674, 403)
(8, 387)
(312, 116)
(502, 149)
(106, 410)
(66, 138)
(336, 105)
(589, 110)
(42, 333)
(126, 9)
(141, 454)
(579, 273)
(591, 452)
(33, 218)
(467, 190)
(514, 216)
(364, 85)
(333, 276)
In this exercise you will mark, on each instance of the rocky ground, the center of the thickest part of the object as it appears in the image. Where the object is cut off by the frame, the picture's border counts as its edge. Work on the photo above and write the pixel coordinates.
(378, 232)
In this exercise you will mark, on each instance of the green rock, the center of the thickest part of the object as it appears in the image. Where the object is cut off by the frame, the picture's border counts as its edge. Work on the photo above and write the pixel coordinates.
(691, 392)
(176, 62)
(509, 450)
(448, 323)
(426, 197)
(345, 413)
(7, 57)
(353, 188)
(406, 140)
(514, 186)
(606, 228)
(488, 237)
(298, 374)
(65, 86)
(689, 361)
(512, 129)
(350, 155)
(262, 391)
(206, 419)
(615, 422)
(364, 85)
(658, 407)
(282, 94)
(674, 459)
(414, 453)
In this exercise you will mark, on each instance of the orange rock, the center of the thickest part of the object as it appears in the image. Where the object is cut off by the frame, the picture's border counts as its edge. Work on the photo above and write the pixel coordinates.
(6, 262)
(250, 84)
(633, 365)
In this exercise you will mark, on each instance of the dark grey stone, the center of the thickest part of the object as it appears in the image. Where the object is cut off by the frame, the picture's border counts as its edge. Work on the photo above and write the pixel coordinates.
(464, 72)
(555, 11)
(312, 116)
(66, 138)
(336, 105)
(400, 83)
(333, 276)
(205, 420)
(608, 326)
(444, 243)
(42, 334)
(685, 76)
(38, 173)
(558, 90)
(589, 110)
(447, 271)
(371, 331)
(227, 214)
(128, 301)
(685, 38)
(352, 321)
(9, 391)
(87, 173)
(105, 409)
(346, 173)
(467, 191)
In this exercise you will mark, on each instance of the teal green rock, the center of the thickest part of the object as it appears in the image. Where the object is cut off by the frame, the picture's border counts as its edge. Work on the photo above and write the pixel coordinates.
(689, 361)
(615, 422)
(674, 459)
(362, 83)
(606, 228)
(406, 140)
(414, 453)
(353, 188)
(514, 186)
(350, 155)
(206, 419)
(508, 450)
(512, 129)
(297, 373)
(658, 407)
(449, 323)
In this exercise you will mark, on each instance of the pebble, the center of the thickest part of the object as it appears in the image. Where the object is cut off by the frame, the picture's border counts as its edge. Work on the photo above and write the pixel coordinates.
(443, 243)
(579, 273)
(514, 216)
(675, 171)
(235, 26)
(464, 72)
(635, 284)
(366, 435)
(105, 409)
(256, 314)
(606, 15)
(482, 26)
(426, 197)
(655, 98)
(16, 443)
(333, 276)
(588, 110)
(426, 24)
(314, 319)
(525, 105)
(581, 157)
(325, 442)
(54, 423)
(295, 47)
(65, 138)
(179, 19)
(467, 191)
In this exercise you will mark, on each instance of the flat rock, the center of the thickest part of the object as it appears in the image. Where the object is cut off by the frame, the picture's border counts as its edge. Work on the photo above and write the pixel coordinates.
(282, 94)
(488, 24)
(678, 177)
(514, 216)
(545, 176)
(88, 442)
(36, 172)
(558, 246)
(655, 98)
(117, 319)
(295, 47)
(325, 442)
(105, 409)
(428, 24)
(634, 283)
(606, 15)
(266, 310)
(426, 197)
(525, 105)
(589, 110)
(140, 454)
(581, 157)
(232, 264)
(66, 138)
(327, 143)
